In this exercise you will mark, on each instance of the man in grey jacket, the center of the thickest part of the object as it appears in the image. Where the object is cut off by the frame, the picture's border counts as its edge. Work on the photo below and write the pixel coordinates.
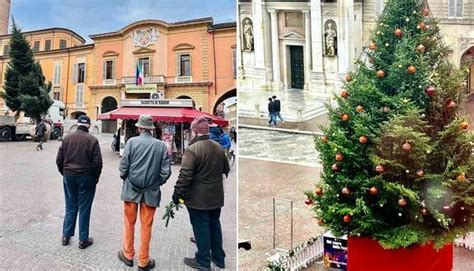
(144, 168)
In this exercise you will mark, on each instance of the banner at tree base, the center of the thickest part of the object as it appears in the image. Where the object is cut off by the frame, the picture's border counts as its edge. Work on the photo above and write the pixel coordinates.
(335, 251)
(366, 254)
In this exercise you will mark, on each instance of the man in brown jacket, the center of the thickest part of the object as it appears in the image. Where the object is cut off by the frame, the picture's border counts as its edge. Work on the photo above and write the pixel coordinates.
(80, 162)
(200, 184)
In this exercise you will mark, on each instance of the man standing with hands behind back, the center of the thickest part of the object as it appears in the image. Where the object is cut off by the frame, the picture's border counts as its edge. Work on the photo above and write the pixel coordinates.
(200, 185)
(80, 162)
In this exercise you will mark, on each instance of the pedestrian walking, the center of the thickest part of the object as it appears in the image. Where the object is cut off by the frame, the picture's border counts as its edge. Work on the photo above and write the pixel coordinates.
(80, 162)
(40, 133)
(144, 168)
(200, 185)
(271, 112)
(277, 104)
(233, 134)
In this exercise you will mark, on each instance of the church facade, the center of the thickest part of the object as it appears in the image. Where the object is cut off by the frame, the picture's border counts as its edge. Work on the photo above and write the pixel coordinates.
(311, 44)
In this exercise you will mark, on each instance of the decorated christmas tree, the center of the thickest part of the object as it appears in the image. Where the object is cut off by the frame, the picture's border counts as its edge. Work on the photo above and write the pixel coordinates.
(396, 156)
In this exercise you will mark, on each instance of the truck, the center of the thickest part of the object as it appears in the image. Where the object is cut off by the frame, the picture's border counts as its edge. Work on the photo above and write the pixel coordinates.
(12, 129)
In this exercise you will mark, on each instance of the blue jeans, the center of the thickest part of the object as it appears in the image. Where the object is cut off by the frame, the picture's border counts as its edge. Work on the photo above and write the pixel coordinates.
(208, 234)
(272, 119)
(278, 115)
(79, 193)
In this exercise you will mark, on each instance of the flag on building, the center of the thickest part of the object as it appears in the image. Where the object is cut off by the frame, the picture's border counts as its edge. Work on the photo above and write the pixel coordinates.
(139, 75)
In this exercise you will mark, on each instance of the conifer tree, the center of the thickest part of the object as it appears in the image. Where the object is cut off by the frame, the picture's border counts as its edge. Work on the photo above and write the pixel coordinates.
(25, 87)
(396, 156)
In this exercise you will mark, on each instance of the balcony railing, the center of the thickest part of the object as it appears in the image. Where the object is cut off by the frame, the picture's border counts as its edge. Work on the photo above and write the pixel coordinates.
(147, 80)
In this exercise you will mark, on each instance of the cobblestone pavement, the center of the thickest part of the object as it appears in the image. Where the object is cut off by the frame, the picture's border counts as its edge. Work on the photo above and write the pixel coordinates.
(277, 146)
(32, 211)
(259, 182)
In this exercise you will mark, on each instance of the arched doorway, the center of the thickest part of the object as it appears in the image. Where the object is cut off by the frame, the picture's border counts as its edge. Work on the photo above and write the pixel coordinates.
(75, 115)
(226, 106)
(467, 61)
(108, 104)
(187, 97)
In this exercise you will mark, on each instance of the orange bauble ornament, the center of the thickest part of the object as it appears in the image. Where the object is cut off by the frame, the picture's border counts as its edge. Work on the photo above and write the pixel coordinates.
(379, 169)
(324, 139)
(348, 78)
(402, 202)
(420, 173)
(406, 147)
(374, 191)
(461, 177)
(360, 109)
(420, 48)
(344, 93)
(411, 69)
(464, 125)
(308, 202)
(320, 222)
(398, 32)
(372, 46)
(339, 157)
(347, 218)
(422, 26)
(319, 191)
(363, 139)
(426, 12)
(345, 117)
(380, 73)
(452, 105)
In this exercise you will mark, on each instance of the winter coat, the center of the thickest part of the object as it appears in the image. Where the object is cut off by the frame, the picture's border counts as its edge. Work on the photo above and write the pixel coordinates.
(200, 180)
(215, 133)
(79, 155)
(40, 129)
(144, 167)
(277, 105)
(225, 141)
(271, 107)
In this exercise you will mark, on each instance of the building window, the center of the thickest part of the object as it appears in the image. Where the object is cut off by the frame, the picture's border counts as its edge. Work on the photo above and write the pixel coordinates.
(184, 65)
(79, 96)
(234, 63)
(109, 69)
(57, 75)
(62, 44)
(379, 6)
(144, 63)
(6, 50)
(455, 8)
(47, 45)
(36, 46)
(57, 95)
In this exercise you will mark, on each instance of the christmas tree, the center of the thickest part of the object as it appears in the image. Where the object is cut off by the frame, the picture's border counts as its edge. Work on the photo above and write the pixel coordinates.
(396, 156)
(25, 86)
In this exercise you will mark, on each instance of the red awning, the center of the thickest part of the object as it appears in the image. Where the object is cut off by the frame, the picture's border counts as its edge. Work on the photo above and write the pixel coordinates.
(168, 114)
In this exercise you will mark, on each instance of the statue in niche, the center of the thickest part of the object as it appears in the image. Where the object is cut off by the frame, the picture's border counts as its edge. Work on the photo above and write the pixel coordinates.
(330, 38)
(248, 35)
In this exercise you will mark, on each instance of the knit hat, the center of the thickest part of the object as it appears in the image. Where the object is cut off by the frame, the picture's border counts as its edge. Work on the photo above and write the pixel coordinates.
(83, 119)
(200, 126)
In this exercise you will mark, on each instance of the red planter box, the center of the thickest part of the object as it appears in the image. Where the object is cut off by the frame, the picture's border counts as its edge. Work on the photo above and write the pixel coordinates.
(365, 254)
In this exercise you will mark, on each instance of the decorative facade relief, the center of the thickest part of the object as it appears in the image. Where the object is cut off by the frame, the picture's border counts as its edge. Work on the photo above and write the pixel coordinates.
(144, 37)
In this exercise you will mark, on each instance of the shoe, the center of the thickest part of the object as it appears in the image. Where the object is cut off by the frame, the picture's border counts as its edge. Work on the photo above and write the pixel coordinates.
(150, 265)
(221, 266)
(66, 240)
(192, 240)
(191, 262)
(37, 148)
(124, 259)
(85, 243)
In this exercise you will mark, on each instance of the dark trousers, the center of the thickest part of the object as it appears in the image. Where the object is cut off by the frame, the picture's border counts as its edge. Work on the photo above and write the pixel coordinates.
(79, 193)
(42, 139)
(208, 234)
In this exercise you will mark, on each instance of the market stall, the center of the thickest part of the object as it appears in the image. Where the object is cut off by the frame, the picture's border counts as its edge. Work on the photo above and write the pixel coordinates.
(172, 121)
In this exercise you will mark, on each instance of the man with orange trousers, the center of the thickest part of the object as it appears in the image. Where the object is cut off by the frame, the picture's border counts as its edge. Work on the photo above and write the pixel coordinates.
(145, 166)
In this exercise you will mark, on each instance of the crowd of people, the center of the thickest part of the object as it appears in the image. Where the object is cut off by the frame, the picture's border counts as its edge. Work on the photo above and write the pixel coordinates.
(144, 168)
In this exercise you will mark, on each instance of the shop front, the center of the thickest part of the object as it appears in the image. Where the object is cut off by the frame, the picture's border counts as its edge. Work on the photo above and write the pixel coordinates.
(172, 118)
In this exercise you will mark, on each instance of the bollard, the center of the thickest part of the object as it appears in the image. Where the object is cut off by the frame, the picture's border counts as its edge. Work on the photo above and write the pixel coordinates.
(299, 114)
(257, 110)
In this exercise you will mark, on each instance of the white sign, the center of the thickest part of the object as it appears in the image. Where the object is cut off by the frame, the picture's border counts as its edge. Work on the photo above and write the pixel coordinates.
(140, 89)
(144, 37)
(158, 103)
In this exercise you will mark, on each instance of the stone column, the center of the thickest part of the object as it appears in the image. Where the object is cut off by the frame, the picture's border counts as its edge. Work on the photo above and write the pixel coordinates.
(317, 36)
(307, 48)
(345, 43)
(258, 34)
(275, 48)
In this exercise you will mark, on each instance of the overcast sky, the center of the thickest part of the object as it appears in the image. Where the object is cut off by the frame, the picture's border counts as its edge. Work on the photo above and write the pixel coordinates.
(88, 17)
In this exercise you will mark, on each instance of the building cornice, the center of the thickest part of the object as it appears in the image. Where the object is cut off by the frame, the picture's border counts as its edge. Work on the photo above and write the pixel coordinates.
(50, 30)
